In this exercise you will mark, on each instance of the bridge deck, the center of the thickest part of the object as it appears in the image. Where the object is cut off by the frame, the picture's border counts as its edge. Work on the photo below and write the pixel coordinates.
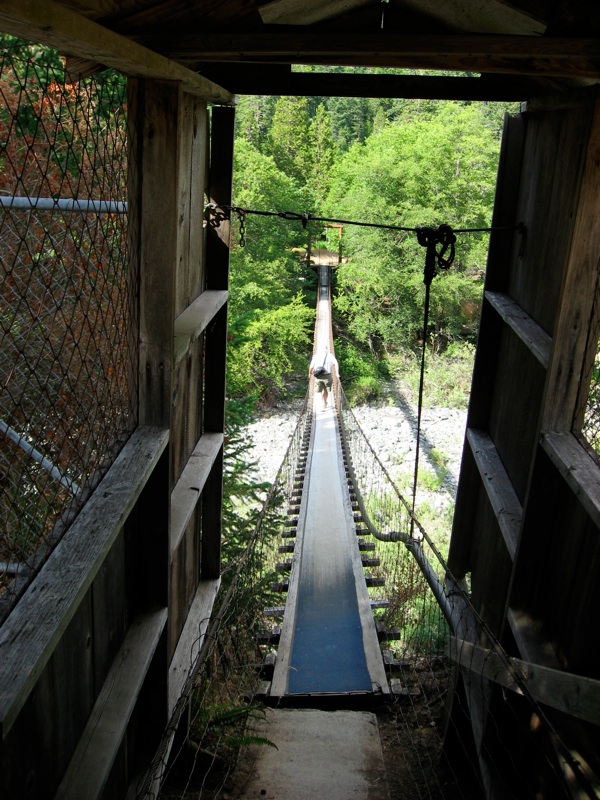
(328, 643)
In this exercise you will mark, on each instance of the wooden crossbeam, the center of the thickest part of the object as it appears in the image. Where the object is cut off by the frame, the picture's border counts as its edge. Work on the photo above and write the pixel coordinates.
(243, 79)
(576, 695)
(56, 26)
(530, 55)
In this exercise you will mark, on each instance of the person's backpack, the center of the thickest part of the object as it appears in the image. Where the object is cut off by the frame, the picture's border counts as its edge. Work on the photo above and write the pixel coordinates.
(318, 372)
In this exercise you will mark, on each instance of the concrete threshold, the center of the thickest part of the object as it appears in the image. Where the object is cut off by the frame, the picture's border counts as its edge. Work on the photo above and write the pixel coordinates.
(319, 754)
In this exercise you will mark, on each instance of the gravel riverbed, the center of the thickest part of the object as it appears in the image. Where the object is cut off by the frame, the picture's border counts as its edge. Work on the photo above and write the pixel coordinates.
(390, 426)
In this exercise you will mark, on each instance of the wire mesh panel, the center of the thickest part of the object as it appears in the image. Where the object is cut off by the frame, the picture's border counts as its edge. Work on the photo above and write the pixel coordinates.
(591, 421)
(587, 412)
(68, 302)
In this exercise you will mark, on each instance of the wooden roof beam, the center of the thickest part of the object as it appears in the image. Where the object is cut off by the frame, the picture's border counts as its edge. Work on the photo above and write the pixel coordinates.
(305, 12)
(280, 80)
(529, 55)
(48, 23)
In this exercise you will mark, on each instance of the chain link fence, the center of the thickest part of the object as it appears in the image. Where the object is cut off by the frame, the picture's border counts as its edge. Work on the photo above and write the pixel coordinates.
(590, 428)
(68, 394)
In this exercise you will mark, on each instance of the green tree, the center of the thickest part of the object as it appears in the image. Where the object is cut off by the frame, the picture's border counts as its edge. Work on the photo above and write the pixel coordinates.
(289, 138)
(254, 116)
(269, 320)
(351, 120)
(322, 151)
(274, 345)
(438, 168)
(267, 271)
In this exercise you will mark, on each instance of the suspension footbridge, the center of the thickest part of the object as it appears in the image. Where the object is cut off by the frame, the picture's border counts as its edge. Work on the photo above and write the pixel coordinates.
(329, 643)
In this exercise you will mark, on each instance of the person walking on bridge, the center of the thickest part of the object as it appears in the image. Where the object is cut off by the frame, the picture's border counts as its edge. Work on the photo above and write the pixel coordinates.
(322, 368)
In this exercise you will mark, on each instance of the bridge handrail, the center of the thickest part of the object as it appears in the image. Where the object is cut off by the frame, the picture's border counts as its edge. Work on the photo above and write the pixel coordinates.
(412, 541)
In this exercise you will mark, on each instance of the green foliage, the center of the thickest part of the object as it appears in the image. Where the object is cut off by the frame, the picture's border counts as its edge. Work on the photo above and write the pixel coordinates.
(436, 168)
(276, 344)
(289, 139)
(437, 524)
(432, 481)
(253, 117)
(387, 161)
(364, 389)
(447, 375)
(591, 424)
(38, 54)
(269, 320)
(424, 631)
(322, 153)
(361, 374)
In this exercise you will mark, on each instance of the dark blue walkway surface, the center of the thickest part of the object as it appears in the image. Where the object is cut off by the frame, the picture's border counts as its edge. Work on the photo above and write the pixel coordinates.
(328, 640)
(328, 653)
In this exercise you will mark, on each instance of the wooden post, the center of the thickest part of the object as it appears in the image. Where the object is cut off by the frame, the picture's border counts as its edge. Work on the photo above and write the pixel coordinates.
(156, 201)
(217, 278)
(571, 349)
(155, 112)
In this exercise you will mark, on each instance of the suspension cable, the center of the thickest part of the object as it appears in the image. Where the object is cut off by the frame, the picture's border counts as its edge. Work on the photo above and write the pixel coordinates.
(440, 252)
(215, 214)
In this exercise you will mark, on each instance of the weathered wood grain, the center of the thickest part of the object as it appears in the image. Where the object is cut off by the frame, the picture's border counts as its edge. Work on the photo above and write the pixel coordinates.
(574, 315)
(32, 632)
(553, 162)
(190, 486)
(514, 413)
(155, 202)
(573, 694)
(191, 638)
(93, 759)
(194, 319)
(528, 331)
(192, 165)
(52, 24)
(498, 487)
(578, 469)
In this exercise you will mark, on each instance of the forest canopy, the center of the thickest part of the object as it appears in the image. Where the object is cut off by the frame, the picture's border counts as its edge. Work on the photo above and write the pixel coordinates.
(399, 163)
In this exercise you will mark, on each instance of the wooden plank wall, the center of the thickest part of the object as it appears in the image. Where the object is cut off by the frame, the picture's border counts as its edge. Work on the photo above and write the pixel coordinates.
(103, 640)
(527, 523)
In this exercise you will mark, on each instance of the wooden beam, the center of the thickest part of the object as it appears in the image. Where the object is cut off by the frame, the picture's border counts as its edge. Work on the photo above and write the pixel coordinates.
(154, 201)
(191, 638)
(529, 332)
(194, 319)
(577, 468)
(279, 80)
(217, 279)
(30, 635)
(305, 12)
(189, 487)
(570, 353)
(575, 695)
(297, 43)
(54, 25)
(92, 763)
(498, 487)
(529, 55)
(490, 16)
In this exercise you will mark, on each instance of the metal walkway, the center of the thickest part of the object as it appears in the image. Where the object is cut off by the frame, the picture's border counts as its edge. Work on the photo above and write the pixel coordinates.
(328, 642)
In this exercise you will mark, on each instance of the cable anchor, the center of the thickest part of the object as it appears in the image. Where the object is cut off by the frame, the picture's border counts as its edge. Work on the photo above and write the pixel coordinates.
(438, 242)
(215, 215)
